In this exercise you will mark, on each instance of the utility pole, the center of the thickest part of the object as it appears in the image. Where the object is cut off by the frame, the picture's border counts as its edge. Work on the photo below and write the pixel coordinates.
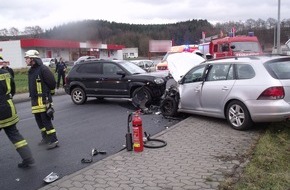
(278, 30)
(275, 36)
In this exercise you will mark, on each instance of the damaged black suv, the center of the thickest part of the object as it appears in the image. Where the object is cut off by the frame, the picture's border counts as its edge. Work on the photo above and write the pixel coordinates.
(114, 79)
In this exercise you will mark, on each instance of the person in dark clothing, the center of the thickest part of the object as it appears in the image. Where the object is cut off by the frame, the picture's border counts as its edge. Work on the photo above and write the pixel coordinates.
(60, 70)
(5, 66)
(55, 61)
(9, 119)
(41, 85)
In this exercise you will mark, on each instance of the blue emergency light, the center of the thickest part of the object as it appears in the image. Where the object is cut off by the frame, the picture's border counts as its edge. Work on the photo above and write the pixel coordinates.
(251, 34)
(186, 48)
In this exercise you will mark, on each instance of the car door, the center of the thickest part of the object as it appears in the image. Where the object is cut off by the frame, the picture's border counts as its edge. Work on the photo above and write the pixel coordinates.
(190, 89)
(89, 75)
(113, 84)
(217, 86)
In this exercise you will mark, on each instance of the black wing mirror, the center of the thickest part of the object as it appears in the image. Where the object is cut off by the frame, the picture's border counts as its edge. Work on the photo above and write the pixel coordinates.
(121, 73)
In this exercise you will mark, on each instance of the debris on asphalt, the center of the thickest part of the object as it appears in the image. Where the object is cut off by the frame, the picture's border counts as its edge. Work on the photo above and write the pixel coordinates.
(51, 177)
(93, 153)
(96, 152)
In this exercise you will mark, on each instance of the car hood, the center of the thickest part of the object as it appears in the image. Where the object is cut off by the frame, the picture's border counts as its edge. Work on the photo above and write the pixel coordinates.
(156, 74)
(146, 77)
(180, 63)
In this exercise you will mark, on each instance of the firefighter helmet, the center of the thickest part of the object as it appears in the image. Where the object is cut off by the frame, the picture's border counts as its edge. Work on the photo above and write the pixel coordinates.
(198, 52)
(208, 56)
(32, 54)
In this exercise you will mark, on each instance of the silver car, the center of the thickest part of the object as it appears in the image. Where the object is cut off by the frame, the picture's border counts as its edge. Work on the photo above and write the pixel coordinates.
(147, 65)
(83, 58)
(243, 90)
(49, 62)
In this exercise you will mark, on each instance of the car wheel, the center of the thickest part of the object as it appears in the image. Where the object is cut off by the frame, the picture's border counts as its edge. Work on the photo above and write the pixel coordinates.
(141, 97)
(238, 116)
(78, 96)
(168, 107)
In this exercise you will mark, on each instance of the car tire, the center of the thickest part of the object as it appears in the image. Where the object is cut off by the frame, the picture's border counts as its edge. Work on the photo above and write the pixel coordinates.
(78, 96)
(147, 94)
(169, 107)
(238, 116)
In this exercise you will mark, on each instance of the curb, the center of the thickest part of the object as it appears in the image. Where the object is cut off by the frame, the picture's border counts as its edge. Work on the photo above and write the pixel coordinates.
(24, 97)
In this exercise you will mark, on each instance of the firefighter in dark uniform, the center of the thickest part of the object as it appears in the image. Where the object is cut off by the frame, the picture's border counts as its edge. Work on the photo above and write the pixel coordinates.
(60, 70)
(9, 118)
(5, 66)
(41, 84)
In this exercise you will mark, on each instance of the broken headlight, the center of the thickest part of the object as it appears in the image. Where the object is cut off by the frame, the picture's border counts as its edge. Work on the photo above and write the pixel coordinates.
(159, 80)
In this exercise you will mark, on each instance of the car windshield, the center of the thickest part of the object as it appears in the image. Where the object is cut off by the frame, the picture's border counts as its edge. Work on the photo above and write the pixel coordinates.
(132, 68)
(245, 47)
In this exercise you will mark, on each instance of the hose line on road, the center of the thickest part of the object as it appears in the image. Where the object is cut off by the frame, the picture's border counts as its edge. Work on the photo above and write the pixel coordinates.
(153, 143)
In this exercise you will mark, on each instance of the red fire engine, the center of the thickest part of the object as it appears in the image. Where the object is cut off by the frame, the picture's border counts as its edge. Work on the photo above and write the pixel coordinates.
(232, 46)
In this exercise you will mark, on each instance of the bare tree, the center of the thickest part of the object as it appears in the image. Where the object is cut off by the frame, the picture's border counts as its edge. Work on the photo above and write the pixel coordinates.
(287, 22)
(271, 23)
(14, 31)
(250, 24)
(38, 30)
(260, 23)
(28, 30)
(239, 26)
(3, 32)
(33, 30)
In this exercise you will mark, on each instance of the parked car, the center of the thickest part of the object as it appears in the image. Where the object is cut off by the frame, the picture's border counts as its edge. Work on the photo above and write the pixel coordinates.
(243, 90)
(147, 65)
(114, 79)
(83, 58)
(49, 62)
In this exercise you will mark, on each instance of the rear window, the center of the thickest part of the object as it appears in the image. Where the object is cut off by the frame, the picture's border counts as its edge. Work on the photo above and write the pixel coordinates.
(89, 68)
(244, 71)
(279, 69)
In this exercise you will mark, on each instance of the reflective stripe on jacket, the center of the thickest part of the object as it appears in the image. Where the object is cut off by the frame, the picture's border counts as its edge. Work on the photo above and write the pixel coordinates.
(41, 83)
(39, 104)
(8, 114)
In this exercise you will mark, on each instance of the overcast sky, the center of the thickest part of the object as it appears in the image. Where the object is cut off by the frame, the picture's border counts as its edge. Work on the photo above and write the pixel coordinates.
(50, 13)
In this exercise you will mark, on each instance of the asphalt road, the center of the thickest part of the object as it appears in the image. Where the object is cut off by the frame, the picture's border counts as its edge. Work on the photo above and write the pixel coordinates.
(96, 124)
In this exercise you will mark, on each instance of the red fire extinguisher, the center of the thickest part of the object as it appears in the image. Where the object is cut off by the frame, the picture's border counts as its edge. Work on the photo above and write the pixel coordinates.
(138, 144)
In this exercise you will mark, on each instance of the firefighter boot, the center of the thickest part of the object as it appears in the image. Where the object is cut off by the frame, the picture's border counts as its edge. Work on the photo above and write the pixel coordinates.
(53, 142)
(27, 159)
(52, 145)
(44, 139)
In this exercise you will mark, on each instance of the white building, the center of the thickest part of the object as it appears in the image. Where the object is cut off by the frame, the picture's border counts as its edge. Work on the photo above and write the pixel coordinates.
(130, 53)
(13, 51)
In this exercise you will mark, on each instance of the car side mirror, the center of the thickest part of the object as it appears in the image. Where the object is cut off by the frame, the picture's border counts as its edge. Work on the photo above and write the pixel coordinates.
(121, 73)
(180, 81)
